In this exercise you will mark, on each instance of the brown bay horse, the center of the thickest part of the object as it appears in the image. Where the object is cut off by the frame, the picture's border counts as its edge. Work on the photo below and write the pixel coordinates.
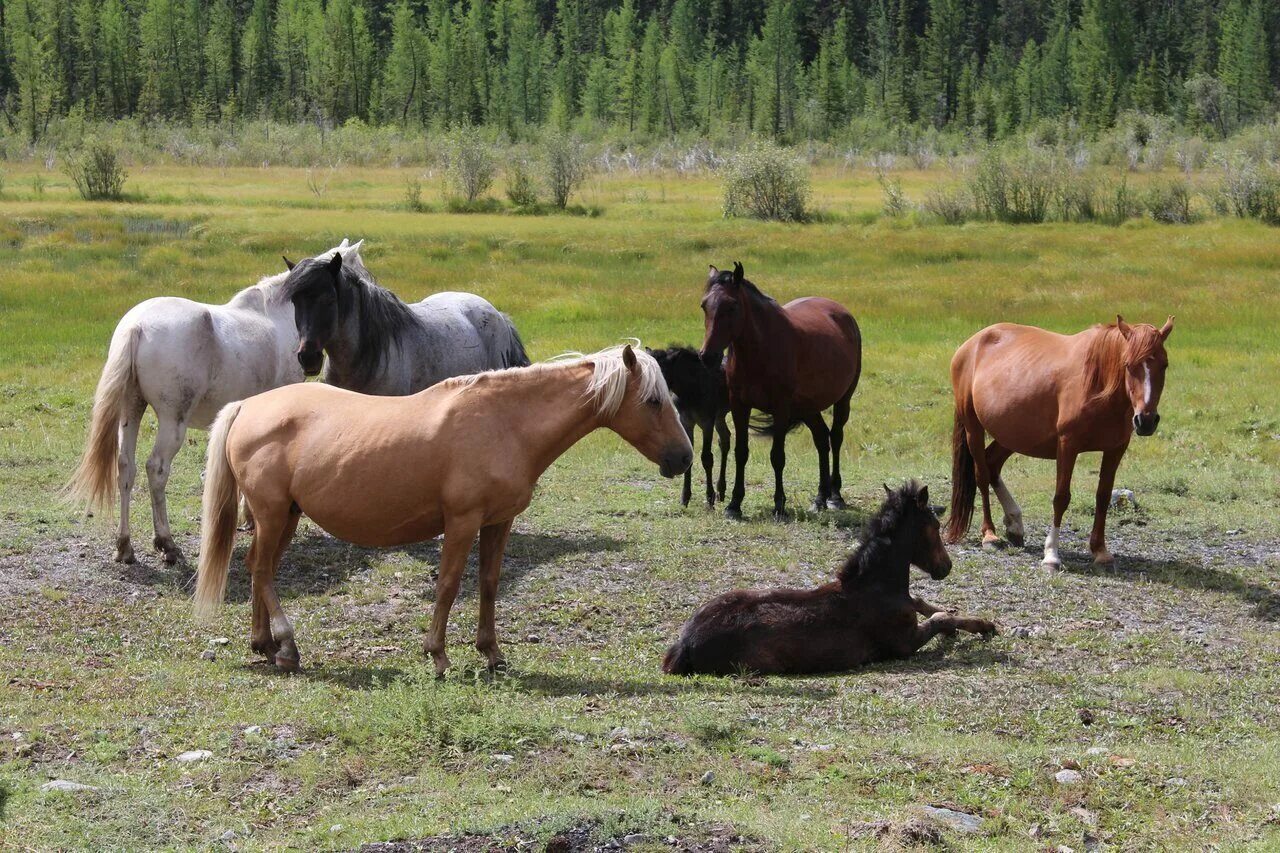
(1050, 396)
(791, 362)
(460, 458)
(867, 614)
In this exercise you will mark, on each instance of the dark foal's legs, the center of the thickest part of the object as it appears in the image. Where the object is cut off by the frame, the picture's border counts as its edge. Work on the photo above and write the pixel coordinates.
(924, 608)
(839, 417)
(741, 427)
(1106, 481)
(778, 458)
(948, 623)
(686, 491)
(722, 433)
(708, 460)
(1061, 500)
(997, 455)
(822, 443)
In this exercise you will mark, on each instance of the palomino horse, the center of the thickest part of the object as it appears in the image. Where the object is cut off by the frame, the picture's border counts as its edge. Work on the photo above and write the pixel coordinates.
(379, 345)
(460, 458)
(791, 362)
(186, 360)
(701, 398)
(867, 614)
(1053, 397)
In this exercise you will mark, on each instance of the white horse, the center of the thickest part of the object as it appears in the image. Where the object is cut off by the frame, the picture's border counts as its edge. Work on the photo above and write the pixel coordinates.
(186, 360)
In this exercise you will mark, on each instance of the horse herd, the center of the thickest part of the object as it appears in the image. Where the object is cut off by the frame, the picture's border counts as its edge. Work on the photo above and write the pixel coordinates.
(431, 420)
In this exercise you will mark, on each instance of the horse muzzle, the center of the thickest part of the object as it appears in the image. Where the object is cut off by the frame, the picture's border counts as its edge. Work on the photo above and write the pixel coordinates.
(1145, 424)
(311, 360)
(675, 462)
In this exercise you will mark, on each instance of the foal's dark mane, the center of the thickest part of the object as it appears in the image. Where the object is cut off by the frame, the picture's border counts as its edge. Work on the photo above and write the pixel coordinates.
(877, 536)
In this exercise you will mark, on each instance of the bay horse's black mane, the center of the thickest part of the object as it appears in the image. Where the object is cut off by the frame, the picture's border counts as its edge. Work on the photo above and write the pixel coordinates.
(877, 535)
(726, 277)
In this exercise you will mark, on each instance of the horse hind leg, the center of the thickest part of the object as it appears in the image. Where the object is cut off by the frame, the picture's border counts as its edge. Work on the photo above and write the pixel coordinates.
(127, 468)
(260, 640)
(997, 455)
(839, 417)
(273, 532)
(169, 435)
(974, 437)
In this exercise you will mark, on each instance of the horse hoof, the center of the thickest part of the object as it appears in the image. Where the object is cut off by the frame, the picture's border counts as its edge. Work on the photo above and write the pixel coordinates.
(836, 503)
(1051, 565)
(1017, 540)
(819, 505)
(285, 663)
(733, 512)
(993, 545)
(781, 515)
(267, 650)
(1105, 560)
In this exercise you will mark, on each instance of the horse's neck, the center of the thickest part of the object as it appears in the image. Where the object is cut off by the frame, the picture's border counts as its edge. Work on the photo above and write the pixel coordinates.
(550, 411)
(765, 331)
(889, 569)
(1118, 399)
(256, 298)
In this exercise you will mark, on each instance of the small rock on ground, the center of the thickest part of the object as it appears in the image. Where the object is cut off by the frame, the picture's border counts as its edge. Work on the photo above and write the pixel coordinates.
(193, 755)
(1068, 777)
(959, 821)
(67, 785)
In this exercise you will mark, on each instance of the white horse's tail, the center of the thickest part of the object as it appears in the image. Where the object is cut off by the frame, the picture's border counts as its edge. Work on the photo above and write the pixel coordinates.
(218, 517)
(94, 482)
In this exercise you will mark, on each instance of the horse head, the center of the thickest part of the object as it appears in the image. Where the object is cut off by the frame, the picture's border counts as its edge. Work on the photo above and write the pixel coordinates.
(722, 312)
(640, 409)
(1145, 363)
(313, 286)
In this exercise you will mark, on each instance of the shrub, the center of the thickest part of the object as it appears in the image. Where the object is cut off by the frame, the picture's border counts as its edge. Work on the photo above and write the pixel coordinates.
(1119, 205)
(1015, 189)
(522, 191)
(97, 172)
(951, 205)
(1248, 189)
(895, 200)
(413, 193)
(38, 183)
(566, 164)
(765, 181)
(470, 164)
(1077, 198)
(1169, 202)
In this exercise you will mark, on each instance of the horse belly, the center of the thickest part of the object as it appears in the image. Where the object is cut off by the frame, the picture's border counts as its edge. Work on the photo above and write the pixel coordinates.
(1024, 423)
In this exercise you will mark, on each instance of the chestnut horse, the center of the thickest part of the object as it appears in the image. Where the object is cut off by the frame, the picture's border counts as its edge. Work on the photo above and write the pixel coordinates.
(867, 614)
(460, 458)
(789, 361)
(1050, 396)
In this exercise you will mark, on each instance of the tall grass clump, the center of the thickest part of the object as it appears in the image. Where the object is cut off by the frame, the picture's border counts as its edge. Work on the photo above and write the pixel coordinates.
(470, 164)
(766, 181)
(1248, 189)
(949, 204)
(1018, 188)
(97, 172)
(566, 165)
(1170, 203)
(522, 190)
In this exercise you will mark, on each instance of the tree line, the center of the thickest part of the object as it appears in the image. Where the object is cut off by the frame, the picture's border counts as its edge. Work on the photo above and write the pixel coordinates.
(789, 69)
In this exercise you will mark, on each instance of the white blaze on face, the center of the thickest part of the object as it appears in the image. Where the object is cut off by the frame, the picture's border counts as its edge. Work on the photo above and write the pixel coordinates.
(1051, 557)
(1146, 385)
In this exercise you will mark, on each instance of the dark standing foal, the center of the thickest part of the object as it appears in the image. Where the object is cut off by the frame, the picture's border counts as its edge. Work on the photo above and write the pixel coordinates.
(702, 399)
(791, 362)
(867, 614)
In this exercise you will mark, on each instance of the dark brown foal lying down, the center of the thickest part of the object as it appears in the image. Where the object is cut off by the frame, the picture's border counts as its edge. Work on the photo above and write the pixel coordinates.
(867, 614)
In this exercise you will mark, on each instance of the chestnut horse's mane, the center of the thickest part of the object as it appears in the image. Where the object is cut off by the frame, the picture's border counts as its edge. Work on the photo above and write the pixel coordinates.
(608, 383)
(877, 535)
(1104, 362)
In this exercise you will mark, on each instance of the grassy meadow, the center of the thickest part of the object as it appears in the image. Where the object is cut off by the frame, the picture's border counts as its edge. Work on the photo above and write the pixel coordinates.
(1156, 681)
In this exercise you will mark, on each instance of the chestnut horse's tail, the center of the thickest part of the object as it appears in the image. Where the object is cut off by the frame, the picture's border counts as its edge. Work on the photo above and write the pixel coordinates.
(964, 483)
(218, 517)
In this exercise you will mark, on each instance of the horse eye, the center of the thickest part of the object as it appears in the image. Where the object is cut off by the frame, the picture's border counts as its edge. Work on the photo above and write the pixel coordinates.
(655, 401)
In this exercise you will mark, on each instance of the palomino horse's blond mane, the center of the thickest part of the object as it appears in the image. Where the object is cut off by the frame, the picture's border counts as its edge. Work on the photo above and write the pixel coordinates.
(608, 383)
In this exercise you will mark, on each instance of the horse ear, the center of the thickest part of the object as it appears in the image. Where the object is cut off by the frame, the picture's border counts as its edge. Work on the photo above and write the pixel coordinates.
(738, 274)
(335, 264)
(922, 499)
(1125, 328)
(887, 490)
(289, 265)
(1166, 329)
(629, 358)
(712, 273)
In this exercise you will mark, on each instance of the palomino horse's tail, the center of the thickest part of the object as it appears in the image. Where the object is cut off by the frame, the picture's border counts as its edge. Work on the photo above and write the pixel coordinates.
(964, 483)
(94, 482)
(218, 517)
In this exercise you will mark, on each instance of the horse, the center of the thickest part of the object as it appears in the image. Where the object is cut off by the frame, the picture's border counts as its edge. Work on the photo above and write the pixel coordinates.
(460, 458)
(376, 344)
(186, 360)
(791, 362)
(701, 398)
(866, 614)
(1050, 396)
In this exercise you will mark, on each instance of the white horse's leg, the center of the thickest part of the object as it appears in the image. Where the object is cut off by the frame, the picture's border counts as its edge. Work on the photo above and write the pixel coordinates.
(127, 466)
(1012, 513)
(169, 438)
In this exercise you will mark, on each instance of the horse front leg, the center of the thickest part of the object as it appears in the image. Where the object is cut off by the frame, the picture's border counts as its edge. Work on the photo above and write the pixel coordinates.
(839, 417)
(948, 624)
(686, 492)
(1106, 482)
(722, 436)
(459, 535)
(708, 461)
(493, 544)
(169, 436)
(741, 427)
(1061, 500)
(778, 458)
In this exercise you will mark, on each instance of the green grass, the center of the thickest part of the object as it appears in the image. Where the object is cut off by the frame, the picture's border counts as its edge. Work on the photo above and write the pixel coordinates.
(1175, 653)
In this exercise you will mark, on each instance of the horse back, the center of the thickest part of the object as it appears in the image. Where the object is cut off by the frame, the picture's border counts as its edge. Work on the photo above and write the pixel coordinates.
(828, 351)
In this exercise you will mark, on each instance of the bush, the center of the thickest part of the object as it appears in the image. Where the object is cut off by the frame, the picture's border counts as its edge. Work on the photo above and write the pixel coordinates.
(1119, 205)
(1015, 189)
(470, 164)
(97, 173)
(895, 200)
(951, 205)
(413, 193)
(566, 164)
(1249, 190)
(1170, 203)
(522, 191)
(765, 181)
